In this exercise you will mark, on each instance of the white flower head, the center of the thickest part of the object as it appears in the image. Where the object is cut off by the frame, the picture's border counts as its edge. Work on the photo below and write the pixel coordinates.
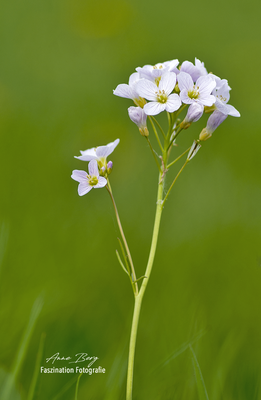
(200, 92)
(89, 181)
(221, 92)
(160, 96)
(129, 91)
(99, 153)
(195, 71)
(154, 72)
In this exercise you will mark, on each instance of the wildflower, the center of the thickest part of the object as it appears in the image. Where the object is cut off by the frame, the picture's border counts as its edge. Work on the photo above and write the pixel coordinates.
(89, 181)
(99, 153)
(200, 92)
(138, 116)
(195, 71)
(154, 72)
(221, 92)
(129, 91)
(160, 96)
(215, 119)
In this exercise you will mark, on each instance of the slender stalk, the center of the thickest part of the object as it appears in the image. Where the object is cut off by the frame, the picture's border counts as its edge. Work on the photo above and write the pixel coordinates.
(160, 128)
(171, 186)
(135, 289)
(178, 158)
(156, 133)
(139, 296)
(154, 155)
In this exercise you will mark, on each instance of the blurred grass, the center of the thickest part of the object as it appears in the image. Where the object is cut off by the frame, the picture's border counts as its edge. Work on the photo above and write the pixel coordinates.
(59, 63)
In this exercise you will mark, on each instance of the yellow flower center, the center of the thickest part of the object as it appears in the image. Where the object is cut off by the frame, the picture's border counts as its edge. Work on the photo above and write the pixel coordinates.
(93, 180)
(161, 96)
(194, 93)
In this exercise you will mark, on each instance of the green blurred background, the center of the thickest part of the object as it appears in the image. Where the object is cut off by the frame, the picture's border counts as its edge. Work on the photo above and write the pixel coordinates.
(60, 61)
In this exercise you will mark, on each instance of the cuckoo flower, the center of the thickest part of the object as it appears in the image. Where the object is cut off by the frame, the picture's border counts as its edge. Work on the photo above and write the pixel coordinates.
(88, 181)
(99, 153)
(200, 92)
(129, 91)
(160, 96)
(154, 72)
(221, 92)
(195, 112)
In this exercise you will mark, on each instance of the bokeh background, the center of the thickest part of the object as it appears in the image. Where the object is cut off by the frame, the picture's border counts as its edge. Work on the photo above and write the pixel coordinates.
(60, 61)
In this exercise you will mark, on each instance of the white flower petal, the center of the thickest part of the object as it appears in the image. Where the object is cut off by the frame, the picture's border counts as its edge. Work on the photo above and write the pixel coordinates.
(79, 176)
(123, 90)
(206, 99)
(105, 151)
(84, 188)
(173, 103)
(147, 89)
(171, 65)
(167, 82)
(134, 78)
(226, 109)
(206, 84)
(93, 168)
(185, 98)
(101, 182)
(185, 81)
(89, 152)
(154, 108)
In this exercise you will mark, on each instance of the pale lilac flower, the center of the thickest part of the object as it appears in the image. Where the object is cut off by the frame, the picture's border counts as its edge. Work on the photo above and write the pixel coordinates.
(129, 91)
(221, 92)
(154, 72)
(89, 181)
(195, 112)
(138, 116)
(195, 71)
(215, 119)
(160, 96)
(200, 92)
(99, 153)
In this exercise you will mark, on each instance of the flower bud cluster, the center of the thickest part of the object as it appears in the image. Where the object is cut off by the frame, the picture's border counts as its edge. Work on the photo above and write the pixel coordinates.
(167, 87)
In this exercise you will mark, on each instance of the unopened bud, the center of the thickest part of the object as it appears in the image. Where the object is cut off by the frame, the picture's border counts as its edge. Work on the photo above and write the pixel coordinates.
(138, 116)
(195, 112)
(109, 167)
(214, 121)
(102, 171)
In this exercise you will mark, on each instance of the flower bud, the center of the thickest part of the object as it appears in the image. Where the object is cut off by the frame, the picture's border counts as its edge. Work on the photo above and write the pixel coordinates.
(109, 167)
(195, 112)
(102, 171)
(138, 116)
(214, 121)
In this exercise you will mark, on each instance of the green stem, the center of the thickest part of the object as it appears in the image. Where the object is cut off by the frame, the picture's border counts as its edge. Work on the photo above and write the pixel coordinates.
(135, 288)
(153, 152)
(156, 133)
(178, 174)
(178, 158)
(140, 294)
(160, 128)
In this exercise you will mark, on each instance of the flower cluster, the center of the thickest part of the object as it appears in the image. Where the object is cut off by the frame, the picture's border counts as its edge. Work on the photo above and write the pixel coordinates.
(165, 87)
(98, 167)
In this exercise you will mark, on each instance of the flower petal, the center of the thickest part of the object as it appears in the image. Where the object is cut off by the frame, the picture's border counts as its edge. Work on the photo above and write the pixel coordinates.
(173, 103)
(93, 168)
(79, 176)
(185, 81)
(101, 182)
(167, 82)
(154, 108)
(226, 109)
(123, 90)
(105, 151)
(84, 188)
(147, 89)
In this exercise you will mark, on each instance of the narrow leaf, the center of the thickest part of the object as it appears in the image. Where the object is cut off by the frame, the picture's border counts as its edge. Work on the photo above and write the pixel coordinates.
(202, 391)
(121, 263)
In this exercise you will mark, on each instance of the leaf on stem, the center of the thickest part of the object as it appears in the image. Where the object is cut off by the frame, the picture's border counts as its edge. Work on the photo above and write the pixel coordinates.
(121, 263)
